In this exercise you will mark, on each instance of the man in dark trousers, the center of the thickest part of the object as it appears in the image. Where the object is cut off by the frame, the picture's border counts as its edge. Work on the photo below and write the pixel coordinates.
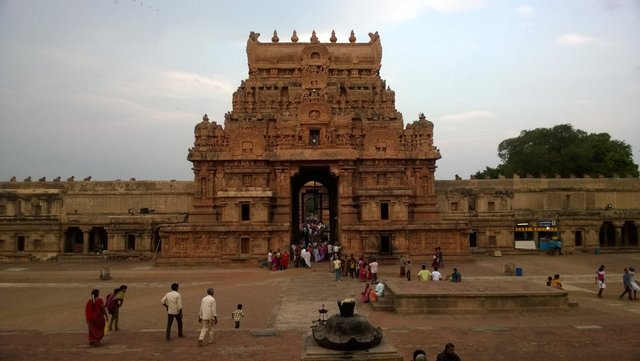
(172, 301)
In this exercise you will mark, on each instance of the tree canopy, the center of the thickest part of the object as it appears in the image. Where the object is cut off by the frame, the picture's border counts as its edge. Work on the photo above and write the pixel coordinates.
(565, 151)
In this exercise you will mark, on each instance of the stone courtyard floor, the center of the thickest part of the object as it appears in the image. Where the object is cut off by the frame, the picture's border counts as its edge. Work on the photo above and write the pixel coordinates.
(42, 313)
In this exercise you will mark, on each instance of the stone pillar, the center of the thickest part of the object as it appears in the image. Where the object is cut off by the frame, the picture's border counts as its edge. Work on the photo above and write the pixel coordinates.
(618, 232)
(85, 239)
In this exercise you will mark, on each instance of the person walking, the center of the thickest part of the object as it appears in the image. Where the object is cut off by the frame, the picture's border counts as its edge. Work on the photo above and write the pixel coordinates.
(633, 284)
(172, 302)
(237, 315)
(626, 284)
(600, 280)
(96, 317)
(114, 302)
(208, 316)
(403, 265)
(407, 270)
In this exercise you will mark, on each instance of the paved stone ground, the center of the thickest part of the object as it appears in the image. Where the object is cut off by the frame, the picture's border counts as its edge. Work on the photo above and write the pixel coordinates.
(41, 317)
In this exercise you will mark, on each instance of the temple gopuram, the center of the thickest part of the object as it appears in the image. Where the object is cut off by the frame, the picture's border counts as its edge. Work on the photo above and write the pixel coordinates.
(313, 121)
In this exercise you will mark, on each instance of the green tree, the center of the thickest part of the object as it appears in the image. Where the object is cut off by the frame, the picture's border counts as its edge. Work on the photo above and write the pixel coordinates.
(565, 151)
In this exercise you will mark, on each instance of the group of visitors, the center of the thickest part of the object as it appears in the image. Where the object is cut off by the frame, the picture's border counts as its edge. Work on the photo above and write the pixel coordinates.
(631, 285)
(449, 354)
(277, 261)
(554, 282)
(97, 313)
(313, 230)
(629, 282)
(304, 253)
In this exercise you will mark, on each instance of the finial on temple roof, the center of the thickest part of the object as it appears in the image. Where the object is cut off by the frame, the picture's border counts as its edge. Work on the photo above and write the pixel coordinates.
(333, 38)
(294, 37)
(352, 38)
(314, 38)
(421, 116)
(205, 117)
(275, 37)
(254, 36)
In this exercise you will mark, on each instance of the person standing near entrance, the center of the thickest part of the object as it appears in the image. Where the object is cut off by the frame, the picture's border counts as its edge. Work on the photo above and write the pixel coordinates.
(208, 316)
(600, 280)
(172, 301)
(407, 270)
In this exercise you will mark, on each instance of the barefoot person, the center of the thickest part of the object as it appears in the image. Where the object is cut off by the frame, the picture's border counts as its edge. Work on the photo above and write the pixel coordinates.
(96, 316)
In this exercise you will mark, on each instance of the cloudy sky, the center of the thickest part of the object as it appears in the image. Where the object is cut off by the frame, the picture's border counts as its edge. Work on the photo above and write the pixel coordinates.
(113, 88)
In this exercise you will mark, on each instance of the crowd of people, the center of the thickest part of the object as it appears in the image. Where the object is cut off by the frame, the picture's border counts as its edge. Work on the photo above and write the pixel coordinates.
(97, 313)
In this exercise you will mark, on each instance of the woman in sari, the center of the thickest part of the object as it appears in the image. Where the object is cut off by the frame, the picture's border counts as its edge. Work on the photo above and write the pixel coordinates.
(362, 271)
(364, 298)
(96, 316)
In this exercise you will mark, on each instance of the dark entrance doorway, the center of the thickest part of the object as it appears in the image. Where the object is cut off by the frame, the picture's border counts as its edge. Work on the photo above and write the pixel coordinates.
(73, 240)
(98, 240)
(314, 196)
(607, 234)
(629, 234)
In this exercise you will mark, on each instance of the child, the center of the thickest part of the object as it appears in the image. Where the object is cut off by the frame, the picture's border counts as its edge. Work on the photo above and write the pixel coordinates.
(237, 315)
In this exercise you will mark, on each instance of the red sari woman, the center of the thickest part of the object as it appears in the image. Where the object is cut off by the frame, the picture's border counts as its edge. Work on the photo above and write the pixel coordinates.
(96, 316)
(364, 295)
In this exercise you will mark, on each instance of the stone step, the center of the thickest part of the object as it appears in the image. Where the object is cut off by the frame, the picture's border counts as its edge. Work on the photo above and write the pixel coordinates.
(383, 304)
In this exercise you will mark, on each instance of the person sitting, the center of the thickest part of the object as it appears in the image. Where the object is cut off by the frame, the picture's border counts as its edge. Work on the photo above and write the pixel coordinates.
(373, 296)
(380, 289)
(456, 276)
(555, 283)
(424, 274)
(549, 280)
(419, 355)
(364, 296)
(436, 275)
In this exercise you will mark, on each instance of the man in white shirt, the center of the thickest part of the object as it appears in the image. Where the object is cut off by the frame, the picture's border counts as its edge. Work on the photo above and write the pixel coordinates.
(380, 289)
(373, 268)
(172, 301)
(208, 316)
(436, 275)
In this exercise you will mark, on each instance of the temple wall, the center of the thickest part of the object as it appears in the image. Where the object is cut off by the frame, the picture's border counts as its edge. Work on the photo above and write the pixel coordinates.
(47, 209)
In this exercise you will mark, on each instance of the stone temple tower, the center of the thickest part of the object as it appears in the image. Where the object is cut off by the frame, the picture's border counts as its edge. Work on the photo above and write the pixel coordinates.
(313, 130)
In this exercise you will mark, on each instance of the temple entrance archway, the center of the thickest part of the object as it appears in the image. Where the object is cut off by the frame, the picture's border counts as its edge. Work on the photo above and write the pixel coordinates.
(314, 197)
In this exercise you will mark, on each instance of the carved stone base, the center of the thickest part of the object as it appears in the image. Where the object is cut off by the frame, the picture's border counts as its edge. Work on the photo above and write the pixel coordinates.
(383, 352)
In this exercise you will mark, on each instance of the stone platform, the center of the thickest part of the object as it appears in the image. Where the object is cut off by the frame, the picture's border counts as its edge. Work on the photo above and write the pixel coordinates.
(471, 296)
(383, 352)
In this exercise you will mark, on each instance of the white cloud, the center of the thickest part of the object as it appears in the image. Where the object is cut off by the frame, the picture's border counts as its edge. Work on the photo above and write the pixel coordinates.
(399, 11)
(472, 115)
(525, 11)
(575, 39)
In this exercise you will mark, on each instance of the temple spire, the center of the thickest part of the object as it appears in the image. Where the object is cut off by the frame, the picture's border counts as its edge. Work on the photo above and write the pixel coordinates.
(352, 38)
(275, 38)
(294, 37)
(314, 38)
(333, 38)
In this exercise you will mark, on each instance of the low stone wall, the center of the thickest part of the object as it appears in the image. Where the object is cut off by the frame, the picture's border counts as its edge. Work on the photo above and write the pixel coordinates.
(476, 296)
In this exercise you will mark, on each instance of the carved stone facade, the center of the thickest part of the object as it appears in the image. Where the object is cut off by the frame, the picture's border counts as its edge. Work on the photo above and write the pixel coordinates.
(313, 112)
